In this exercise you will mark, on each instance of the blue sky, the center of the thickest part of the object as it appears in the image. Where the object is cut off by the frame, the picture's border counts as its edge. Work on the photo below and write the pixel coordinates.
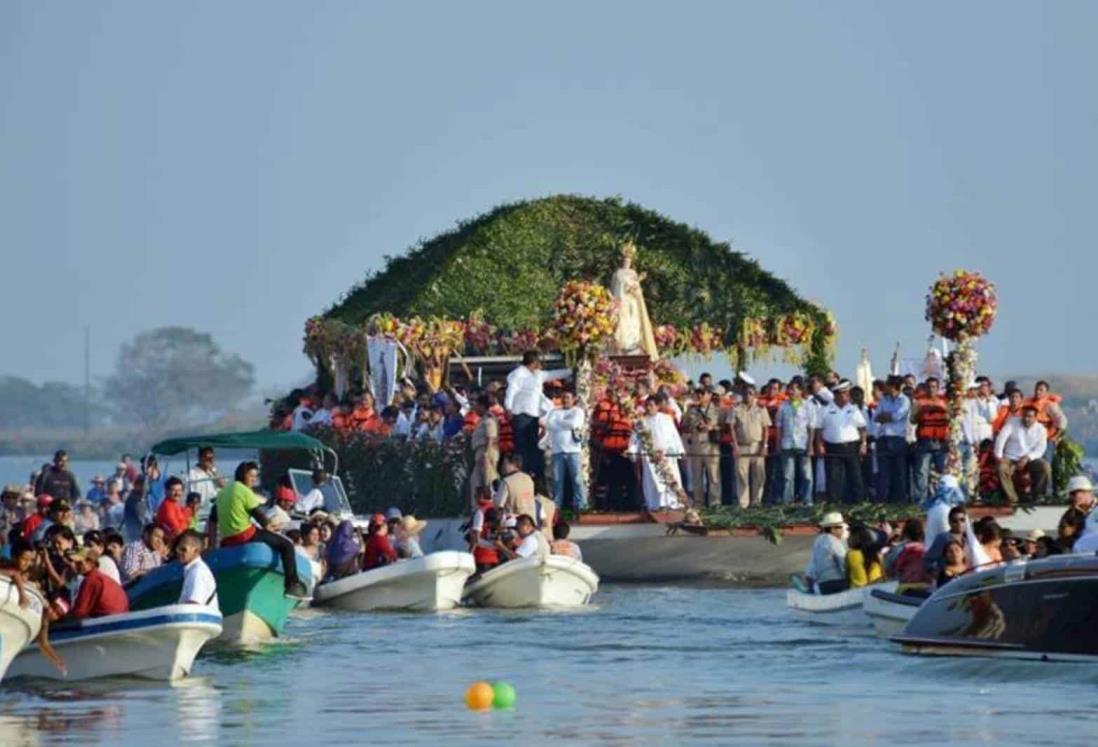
(237, 166)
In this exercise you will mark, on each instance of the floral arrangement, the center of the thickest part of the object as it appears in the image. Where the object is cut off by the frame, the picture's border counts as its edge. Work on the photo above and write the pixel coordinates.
(792, 329)
(754, 333)
(516, 342)
(585, 315)
(961, 305)
(480, 335)
(384, 324)
(664, 469)
(667, 339)
(315, 343)
(701, 340)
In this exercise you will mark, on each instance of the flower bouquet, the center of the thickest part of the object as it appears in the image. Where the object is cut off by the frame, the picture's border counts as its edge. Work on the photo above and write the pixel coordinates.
(962, 305)
(585, 315)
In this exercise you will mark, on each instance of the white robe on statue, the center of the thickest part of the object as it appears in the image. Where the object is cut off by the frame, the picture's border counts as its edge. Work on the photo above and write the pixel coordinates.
(634, 333)
(659, 495)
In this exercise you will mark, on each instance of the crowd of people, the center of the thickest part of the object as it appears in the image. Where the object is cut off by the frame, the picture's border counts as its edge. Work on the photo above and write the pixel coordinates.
(922, 556)
(720, 443)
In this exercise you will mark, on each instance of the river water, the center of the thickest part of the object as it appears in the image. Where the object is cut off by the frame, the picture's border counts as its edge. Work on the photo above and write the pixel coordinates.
(644, 665)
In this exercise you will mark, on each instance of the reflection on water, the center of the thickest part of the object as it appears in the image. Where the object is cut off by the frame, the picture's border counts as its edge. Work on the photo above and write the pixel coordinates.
(647, 665)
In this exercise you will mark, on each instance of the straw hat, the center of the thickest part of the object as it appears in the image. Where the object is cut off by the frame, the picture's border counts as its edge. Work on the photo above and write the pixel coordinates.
(832, 519)
(1079, 482)
(411, 525)
(1034, 534)
(13, 489)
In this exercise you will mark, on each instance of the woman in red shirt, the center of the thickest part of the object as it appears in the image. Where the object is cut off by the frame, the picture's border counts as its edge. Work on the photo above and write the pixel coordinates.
(379, 551)
(172, 516)
(99, 594)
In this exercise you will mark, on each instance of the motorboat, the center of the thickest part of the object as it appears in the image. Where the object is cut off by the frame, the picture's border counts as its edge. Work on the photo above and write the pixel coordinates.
(427, 584)
(250, 590)
(158, 644)
(890, 612)
(557, 581)
(19, 625)
(1040, 609)
(801, 598)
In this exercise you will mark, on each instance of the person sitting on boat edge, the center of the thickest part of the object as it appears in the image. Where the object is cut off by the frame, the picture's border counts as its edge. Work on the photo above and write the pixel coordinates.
(934, 556)
(143, 554)
(953, 562)
(199, 586)
(18, 569)
(99, 595)
(826, 571)
(862, 564)
(407, 537)
(482, 538)
(278, 515)
(531, 543)
(171, 516)
(234, 508)
(379, 550)
(561, 545)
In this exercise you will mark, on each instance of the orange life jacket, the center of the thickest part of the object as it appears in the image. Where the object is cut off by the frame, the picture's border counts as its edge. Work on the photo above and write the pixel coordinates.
(506, 435)
(362, 415)
(1002, 416)
(469, 423)
(611, 428)
(1043, 416)
(485, 555)
(932, 421)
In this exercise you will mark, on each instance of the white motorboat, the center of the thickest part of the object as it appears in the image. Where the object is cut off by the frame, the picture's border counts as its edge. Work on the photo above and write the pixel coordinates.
(889, 611)
(558, 581)
(433, 582)
(19, 626)
(159, 643)
(831, 605)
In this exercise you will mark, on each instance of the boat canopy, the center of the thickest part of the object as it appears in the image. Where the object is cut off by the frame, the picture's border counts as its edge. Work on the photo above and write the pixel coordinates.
(277, 440)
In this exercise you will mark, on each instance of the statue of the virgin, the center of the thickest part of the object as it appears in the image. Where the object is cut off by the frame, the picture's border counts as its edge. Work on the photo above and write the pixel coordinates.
(634, 334)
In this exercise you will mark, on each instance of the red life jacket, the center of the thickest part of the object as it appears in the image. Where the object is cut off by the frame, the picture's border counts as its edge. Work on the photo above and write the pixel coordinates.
(932, 421)
(485, 555)
(1043, 416)
(506, 435)
(469, 422)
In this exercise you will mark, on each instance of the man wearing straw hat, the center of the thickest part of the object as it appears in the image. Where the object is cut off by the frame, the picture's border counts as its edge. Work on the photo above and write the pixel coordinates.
(826, 571)
(1080, 493)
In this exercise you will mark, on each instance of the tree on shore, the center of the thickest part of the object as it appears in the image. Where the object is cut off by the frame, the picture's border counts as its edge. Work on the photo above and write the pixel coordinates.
(176, 376)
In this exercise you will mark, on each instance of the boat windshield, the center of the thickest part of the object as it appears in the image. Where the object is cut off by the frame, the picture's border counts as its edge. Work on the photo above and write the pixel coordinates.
(335, 495)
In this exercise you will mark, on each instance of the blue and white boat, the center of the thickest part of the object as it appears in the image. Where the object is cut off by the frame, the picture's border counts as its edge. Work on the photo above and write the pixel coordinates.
(158, 644)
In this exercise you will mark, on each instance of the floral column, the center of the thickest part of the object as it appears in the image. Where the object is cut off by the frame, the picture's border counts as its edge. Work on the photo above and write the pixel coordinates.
(585, 315)
(961, 307)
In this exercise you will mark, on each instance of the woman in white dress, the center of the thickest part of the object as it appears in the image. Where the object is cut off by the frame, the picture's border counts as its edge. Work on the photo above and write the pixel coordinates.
(634, 333)
(659, 495)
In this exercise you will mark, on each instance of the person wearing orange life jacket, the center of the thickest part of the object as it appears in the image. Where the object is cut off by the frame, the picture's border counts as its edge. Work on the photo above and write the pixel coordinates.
(772, 398)
(363, 411)
(1050, 415)
(483, 529)
(1013, 409)
(931, 420)
(611, 431)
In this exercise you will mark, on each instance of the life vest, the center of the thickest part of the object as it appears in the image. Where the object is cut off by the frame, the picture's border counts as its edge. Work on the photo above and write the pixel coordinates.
(469, 423)
(932, 421)
(989, 472)
(611, 428)
(1043, 415)
(485, 555)
(506, 435)
(360, 416)
(1002, 416)
(339, 418)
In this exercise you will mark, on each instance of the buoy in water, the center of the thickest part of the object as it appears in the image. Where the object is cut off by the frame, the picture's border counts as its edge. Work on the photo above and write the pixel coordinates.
(479, 696)
(503, 695)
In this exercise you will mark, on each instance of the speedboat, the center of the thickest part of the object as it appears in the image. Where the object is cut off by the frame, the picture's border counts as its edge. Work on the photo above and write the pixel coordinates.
(1041, 609)
(433, 582)
(250, 590)
(799, 597)
(158, 644)
(890, 612)
(557, 581)
(19, 626)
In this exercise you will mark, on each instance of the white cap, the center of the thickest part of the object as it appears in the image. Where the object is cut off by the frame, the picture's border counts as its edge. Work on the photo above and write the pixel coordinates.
(949, 481)
(742, 376)
(842, 386)
(1079, 482)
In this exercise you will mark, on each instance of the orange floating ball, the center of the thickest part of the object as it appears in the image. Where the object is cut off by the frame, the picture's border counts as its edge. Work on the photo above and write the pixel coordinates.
(479, 696)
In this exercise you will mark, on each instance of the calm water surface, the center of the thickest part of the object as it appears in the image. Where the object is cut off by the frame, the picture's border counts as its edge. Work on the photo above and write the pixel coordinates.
(647, 664)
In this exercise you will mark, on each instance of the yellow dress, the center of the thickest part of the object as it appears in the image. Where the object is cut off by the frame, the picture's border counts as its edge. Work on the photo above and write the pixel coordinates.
(855, 570)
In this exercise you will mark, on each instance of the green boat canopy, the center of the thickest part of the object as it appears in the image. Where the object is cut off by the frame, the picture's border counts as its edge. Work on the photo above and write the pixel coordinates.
(275, 440)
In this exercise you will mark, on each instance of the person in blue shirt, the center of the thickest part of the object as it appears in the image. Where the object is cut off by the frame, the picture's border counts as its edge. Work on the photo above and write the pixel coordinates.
(98, 491)
(154, 484)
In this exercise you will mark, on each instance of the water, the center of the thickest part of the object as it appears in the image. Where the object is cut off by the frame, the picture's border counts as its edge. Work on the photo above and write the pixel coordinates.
(645, 665)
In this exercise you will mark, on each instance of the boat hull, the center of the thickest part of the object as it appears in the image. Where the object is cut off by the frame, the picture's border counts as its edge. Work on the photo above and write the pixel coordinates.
(250, 591)
(428, 584)
(19, 626)
(158, 644)
(558, 581)
(1043, 609)
(890, 612)
(841, 607)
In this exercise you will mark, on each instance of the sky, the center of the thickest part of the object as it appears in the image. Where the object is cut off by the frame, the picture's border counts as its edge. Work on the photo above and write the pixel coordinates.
(237, 167)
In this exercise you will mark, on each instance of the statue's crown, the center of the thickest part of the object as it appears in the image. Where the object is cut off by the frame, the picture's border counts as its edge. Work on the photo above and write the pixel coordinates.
(629, 249)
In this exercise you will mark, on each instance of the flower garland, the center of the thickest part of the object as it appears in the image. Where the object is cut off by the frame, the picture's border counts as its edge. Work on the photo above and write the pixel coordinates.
(480, 335)
(660, 462)
(585, 315)
(701, 340)
(668, 340)
(962, 305)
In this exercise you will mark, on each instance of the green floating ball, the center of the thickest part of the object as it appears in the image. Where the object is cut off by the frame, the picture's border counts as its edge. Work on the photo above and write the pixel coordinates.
(504, 695)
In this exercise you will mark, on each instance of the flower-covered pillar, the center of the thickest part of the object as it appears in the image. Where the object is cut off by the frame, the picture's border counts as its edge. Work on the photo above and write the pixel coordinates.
(585, 316)
(961, 307)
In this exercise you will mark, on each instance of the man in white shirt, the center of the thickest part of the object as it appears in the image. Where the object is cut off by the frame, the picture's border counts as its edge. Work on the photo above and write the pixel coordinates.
(565, 427)
(841, 437)
(1021, 446)
(322, 418)
(320, 496)
(795, 421)
(199, 586)
(532, 543)
(204, 478)
(526, 401)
